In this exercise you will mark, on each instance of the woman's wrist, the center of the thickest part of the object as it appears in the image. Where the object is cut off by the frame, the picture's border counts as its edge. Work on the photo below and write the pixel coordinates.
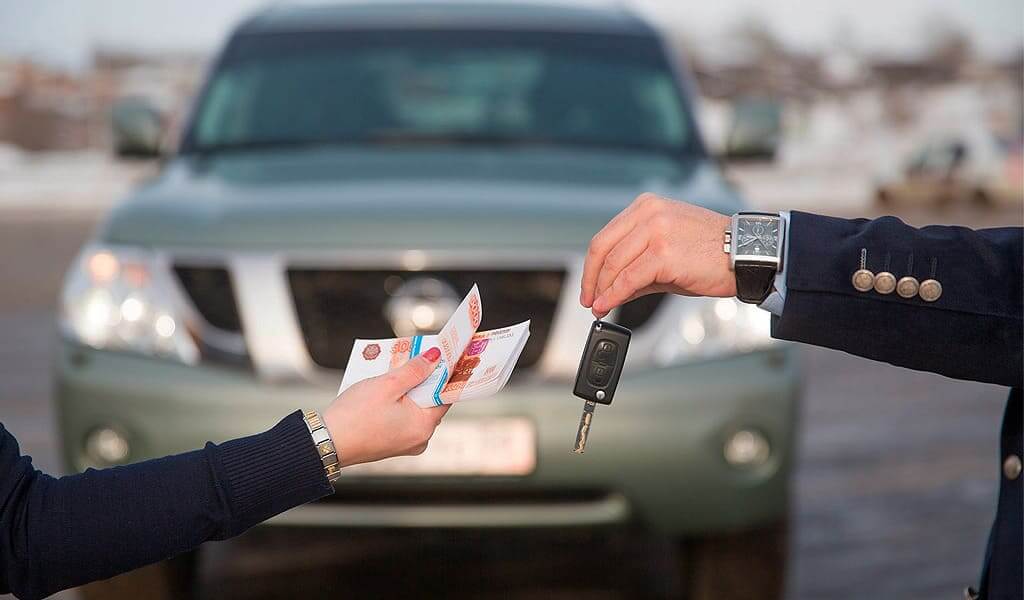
(333, 420)
(324, 442)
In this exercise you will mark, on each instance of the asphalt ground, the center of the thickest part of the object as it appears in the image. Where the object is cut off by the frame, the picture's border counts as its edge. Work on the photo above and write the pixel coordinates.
(893, 492)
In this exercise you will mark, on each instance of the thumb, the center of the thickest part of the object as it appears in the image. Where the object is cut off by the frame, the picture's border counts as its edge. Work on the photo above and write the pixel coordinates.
(414, 372)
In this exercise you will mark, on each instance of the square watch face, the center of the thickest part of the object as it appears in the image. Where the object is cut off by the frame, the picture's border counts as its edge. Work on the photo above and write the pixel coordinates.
(757, 236)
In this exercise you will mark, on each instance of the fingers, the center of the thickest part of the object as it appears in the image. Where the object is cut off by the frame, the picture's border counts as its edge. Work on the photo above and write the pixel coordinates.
(429, 419)
(430, 414)
(621, 256)
(600, 245)
(434, 414)
(413, 372)
(639, 275)
(606, 239)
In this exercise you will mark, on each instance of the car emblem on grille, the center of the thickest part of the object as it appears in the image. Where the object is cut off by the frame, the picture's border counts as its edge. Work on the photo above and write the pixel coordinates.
(420, 305)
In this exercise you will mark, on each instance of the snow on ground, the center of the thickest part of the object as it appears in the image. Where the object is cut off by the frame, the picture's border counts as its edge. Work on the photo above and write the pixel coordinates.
(64, 181)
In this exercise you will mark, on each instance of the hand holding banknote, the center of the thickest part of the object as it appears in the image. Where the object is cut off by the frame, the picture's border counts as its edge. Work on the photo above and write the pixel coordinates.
(474, 364)
(375, 418)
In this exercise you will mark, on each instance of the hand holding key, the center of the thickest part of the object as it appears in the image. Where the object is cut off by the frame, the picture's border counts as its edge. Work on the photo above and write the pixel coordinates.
(656, 245)
(598, 375)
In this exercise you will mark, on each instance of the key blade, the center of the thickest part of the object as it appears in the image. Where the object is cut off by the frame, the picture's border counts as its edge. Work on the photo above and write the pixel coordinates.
(584, 429)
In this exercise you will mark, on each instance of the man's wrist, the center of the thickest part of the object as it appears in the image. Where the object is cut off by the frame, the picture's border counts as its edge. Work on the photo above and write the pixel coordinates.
(726, 286)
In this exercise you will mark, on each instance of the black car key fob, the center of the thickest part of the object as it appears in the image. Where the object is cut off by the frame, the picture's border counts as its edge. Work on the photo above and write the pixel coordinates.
(601, 363)
(598, 375)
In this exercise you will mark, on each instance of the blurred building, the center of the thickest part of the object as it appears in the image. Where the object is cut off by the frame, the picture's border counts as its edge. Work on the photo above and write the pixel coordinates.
(834, 101)
(842, 105)
(46, 109)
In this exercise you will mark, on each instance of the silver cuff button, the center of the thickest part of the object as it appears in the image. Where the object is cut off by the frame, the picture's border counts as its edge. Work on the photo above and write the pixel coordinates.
(907, 287)
(930, 290)
(1012, 467)
(885, 282)
(863, 280)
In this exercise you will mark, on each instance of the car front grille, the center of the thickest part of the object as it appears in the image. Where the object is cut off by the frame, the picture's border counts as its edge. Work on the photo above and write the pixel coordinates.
(335, 307)
(636, 313)
(212, 294)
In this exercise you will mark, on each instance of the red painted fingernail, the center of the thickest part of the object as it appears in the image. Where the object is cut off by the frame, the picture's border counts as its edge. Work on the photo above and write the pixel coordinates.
(433, 354)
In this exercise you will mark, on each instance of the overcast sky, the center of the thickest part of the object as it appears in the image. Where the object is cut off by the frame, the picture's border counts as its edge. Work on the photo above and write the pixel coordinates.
(64, 32)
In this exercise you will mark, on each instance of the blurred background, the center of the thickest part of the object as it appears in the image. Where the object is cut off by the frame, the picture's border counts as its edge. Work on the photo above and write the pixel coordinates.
(849, 108)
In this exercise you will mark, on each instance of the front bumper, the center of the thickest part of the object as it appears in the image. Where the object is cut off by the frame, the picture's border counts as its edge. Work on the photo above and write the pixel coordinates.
(655, 455)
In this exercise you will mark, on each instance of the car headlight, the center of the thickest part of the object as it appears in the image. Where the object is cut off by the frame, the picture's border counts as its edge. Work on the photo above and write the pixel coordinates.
(116, 299)
(696, 328)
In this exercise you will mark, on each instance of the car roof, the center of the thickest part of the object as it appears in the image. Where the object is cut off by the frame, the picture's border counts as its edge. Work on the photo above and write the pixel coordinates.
(440, 14)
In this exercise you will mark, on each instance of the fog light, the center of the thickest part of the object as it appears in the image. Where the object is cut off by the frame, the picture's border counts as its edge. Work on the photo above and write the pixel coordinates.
(106, 446)
(747, 449)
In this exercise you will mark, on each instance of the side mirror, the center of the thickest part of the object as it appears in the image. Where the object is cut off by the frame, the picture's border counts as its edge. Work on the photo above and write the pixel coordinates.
(755, 131)
(137, 127)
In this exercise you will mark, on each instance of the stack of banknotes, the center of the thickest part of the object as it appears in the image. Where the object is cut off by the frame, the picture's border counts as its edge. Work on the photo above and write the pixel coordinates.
(474, 364)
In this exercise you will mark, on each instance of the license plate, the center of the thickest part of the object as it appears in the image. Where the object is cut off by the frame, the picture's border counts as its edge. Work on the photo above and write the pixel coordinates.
(491, 447)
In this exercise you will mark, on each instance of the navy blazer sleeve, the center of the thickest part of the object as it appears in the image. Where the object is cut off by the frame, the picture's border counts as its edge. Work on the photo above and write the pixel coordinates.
(973, 331)
(59, 533)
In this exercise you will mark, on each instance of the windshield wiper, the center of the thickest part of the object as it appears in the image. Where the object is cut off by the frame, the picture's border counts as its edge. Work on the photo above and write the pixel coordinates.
(518, 140)
(249, 145)
(407, 137)
(387, 138)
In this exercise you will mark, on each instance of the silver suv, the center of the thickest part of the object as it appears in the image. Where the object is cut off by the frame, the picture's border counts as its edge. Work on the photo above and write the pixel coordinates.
(340, 157)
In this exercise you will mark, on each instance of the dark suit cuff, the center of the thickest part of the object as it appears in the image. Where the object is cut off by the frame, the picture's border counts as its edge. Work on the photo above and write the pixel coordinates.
(268, 473)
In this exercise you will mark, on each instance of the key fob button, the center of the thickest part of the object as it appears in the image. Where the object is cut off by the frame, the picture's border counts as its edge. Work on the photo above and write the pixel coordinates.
(605, 352)
(599, 375)
(604, 355)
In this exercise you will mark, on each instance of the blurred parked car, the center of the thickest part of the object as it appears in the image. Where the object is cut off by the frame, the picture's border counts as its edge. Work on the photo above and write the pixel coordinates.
(756, 129)
(975, 166)
(343, 161)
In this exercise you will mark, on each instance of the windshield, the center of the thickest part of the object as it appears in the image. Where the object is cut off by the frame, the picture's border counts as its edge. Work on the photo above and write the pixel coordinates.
(380, 87)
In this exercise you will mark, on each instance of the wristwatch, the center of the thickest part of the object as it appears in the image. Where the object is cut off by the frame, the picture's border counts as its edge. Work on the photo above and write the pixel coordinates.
(324, 444)
(754, 242)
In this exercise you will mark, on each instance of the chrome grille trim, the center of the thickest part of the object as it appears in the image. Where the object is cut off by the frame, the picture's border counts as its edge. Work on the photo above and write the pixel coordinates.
(569, 328)
(270, 323)
(225, 341)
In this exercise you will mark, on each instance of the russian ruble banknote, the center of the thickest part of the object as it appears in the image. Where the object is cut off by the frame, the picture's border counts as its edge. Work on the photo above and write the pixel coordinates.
(473, 364)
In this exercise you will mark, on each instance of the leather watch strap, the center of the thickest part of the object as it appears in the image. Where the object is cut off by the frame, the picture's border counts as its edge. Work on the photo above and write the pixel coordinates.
(754, 281)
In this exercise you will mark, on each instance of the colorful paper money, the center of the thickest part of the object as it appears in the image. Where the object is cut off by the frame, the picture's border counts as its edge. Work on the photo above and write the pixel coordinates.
(474, 364)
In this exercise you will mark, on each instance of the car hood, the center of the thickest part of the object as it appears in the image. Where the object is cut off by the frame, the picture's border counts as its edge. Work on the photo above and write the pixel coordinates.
(380, 199)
